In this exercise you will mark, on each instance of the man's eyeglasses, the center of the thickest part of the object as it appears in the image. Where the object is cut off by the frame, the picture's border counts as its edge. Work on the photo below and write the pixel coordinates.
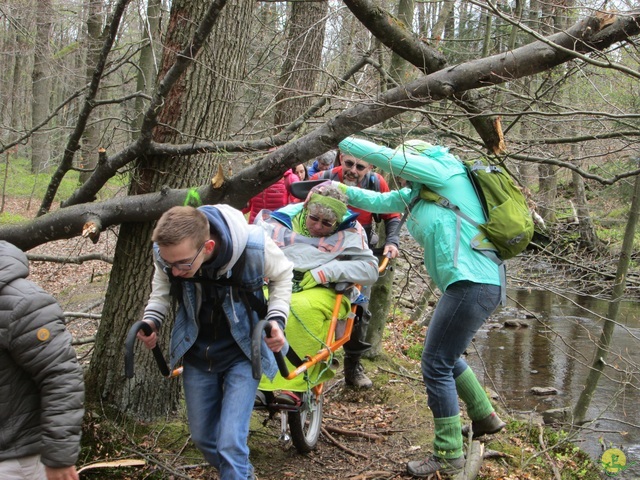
(324, 222)
(181, 266)
(350, 163)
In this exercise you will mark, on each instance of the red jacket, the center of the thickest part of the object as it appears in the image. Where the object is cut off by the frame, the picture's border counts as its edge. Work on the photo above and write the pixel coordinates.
(271, 198)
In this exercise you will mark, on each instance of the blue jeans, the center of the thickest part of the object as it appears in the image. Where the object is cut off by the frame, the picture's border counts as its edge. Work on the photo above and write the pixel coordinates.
(459, 314)
(219, 407)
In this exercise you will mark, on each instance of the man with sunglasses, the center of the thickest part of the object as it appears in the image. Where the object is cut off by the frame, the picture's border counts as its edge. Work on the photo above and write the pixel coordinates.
(215, 264)
(358, 173)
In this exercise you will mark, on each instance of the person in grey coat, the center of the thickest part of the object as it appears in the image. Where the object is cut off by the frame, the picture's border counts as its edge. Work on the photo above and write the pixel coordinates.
(41, 383)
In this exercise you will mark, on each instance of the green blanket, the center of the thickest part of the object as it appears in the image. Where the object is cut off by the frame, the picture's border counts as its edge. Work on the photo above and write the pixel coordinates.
(306, 332)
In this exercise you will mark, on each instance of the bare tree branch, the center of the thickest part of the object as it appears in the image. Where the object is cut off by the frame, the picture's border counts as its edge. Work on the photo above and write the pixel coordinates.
(73, 144)
(106, 170)
(75, 260)
(397, 36)
(527, 60)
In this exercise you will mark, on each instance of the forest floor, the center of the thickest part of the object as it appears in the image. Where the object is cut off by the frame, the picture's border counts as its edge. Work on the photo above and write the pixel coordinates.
(366, 434)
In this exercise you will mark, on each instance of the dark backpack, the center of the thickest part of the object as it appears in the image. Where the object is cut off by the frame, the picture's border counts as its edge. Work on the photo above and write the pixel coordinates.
(252, 299)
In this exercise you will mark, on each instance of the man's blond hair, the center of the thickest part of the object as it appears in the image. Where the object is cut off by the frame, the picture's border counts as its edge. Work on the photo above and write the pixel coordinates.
(179, 223)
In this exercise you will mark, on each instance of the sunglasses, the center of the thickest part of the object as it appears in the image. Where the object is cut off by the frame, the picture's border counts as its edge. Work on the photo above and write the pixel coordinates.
(325, 223)
(184, 267)
(350, 164)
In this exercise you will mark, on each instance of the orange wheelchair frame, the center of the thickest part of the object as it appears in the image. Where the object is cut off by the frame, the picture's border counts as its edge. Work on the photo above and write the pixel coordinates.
(305, 420)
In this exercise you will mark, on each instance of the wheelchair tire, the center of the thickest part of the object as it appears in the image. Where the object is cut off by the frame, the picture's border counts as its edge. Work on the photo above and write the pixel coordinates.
(305, 424)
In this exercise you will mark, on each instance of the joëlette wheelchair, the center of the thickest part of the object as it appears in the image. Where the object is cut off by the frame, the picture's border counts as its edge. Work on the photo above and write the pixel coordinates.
(304, 418)
(300, 423)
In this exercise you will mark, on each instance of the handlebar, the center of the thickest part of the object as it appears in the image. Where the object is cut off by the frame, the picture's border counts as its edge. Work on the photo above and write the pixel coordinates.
(157, 353)
(256, 358)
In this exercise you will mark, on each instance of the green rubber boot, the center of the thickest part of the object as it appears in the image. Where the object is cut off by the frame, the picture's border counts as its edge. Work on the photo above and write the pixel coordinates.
(484, 419)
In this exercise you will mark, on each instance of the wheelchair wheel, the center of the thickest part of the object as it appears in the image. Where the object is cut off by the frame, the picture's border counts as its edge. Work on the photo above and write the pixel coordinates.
(304, 424)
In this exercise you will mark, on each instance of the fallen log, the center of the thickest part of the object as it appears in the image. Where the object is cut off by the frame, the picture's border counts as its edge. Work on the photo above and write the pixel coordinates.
(473, 463)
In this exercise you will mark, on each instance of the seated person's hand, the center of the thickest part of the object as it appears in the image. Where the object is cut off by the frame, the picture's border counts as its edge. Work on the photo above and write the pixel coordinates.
(276, 341)
(390, 250)
(308, 281)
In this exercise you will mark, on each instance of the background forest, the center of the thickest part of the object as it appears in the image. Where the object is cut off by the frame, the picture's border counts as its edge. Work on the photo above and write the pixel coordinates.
(112, 111)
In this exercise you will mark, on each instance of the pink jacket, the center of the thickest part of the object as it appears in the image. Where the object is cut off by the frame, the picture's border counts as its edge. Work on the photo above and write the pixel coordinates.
(289, 178)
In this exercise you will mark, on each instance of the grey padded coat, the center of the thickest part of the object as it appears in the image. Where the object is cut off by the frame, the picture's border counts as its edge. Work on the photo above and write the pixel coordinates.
(41, 384)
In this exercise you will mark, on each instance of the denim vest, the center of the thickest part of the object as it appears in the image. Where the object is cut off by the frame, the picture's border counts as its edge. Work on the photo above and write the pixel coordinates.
(241, 323)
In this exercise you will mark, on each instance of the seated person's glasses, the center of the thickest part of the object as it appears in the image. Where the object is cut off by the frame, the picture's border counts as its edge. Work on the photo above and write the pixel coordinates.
(180, 265)
(324, 221)
(350, 163)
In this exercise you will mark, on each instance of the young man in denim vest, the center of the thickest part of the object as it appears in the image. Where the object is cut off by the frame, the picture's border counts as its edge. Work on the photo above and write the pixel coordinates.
(210, 260)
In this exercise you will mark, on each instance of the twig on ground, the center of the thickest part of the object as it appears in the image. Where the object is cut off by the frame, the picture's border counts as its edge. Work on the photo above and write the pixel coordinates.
(556, 472)
(372, 475)
(341, 446)
(155, 461)
(410, 377)
(95, 316)
(352, 433)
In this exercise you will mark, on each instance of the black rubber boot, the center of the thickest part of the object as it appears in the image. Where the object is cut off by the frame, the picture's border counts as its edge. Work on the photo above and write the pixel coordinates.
(354, 375)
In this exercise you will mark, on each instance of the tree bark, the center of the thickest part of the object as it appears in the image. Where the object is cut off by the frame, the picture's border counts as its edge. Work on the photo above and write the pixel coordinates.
(602, 350)
(299, 73)
(149, 61)
(200, 106)
(41, 87)
(398, 65)
(586, 229)
(548, 192)
(90, 138)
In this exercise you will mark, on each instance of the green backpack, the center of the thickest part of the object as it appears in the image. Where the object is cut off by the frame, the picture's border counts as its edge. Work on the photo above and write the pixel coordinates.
(509, 226)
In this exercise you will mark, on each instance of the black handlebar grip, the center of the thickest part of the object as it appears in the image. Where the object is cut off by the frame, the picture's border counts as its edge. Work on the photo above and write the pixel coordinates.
(130, 344)
(256, 343)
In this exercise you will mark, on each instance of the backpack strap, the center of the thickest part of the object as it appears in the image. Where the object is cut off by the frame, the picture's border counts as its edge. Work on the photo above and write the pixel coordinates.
(374, 184)
(329, 175)
(406, 213)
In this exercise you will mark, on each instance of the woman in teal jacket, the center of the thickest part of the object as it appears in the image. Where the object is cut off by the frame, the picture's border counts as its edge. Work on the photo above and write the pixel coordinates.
(469, 280)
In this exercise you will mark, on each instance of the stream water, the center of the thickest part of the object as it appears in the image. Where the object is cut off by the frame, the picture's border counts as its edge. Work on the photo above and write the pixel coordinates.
(555, 349)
